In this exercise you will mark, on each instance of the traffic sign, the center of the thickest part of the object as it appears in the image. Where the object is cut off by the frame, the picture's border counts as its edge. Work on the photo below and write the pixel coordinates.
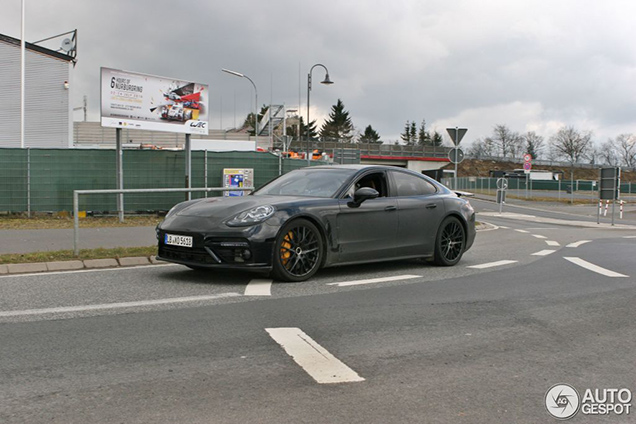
(527, 166)
(456, 155)
(527, 157)
(502, 183)
(456, 134)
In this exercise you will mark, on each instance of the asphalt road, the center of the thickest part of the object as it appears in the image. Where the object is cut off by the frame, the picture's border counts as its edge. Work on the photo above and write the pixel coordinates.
(480, 342)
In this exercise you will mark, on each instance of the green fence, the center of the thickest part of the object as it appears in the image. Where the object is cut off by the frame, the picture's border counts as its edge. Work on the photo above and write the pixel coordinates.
(43, 180)
(534, 187)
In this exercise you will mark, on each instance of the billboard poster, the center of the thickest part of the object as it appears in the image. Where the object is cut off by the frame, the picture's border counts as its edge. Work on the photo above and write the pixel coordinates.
(237, 178)
(147, 102)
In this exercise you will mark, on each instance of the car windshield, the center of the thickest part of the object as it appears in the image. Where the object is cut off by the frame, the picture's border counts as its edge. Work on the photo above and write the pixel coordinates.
(323, 182)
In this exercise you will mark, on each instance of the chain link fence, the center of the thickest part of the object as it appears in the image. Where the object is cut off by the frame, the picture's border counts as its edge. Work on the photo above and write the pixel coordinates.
(43, 180)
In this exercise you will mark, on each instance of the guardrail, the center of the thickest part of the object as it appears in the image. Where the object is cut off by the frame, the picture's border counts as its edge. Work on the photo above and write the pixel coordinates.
(77, 193)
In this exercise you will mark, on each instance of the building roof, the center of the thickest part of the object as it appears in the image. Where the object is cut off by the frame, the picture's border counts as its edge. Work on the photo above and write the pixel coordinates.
(36, 48)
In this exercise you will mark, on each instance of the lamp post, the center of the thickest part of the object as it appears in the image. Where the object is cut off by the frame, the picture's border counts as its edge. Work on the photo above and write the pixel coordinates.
(327, 81)
(238, 74)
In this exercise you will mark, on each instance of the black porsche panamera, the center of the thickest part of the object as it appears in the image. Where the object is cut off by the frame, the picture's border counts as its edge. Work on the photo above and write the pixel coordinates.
(321, 217)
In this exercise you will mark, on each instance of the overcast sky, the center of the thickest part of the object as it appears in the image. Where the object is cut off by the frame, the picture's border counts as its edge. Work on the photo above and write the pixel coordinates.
(532, 65)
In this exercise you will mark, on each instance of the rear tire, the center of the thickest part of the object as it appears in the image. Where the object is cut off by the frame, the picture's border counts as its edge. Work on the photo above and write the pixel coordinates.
(298, 251)
(450, 242)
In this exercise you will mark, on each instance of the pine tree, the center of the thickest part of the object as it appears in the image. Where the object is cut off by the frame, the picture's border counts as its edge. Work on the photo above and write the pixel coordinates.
(249, 120)
(370, 136)
(413, 134)
(406, 135)
(338, 126)
(423, 137)
(437, 140)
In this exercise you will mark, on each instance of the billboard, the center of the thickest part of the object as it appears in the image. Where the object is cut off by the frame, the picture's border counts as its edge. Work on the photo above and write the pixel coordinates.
(147, 102)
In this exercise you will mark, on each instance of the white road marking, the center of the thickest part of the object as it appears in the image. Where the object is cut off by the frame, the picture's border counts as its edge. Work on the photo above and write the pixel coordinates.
(259, 288)
(522, 231)
(539, 236)
(106, 306)
(374, 280)
(595, 268)
(82, 271)
(504, 228)
(543, 252)
(552, 243)
(492, 264)
(321, 365)
(578, 243)
(629, 237)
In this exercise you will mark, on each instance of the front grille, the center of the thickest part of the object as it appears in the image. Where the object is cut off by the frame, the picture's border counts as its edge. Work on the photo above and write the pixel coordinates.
(186, 254)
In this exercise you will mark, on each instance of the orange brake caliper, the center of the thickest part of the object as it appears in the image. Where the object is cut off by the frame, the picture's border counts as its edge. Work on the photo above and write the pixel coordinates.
(286, 244)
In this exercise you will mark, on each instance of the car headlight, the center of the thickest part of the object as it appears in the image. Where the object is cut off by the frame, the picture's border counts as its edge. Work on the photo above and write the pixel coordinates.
(253, 216)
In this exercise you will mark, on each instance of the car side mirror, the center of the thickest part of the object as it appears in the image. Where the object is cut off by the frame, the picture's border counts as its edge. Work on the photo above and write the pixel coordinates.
(361, 195)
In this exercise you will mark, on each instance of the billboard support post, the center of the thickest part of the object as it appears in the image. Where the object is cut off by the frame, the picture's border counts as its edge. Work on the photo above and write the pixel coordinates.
(120, 175)
(188, 166)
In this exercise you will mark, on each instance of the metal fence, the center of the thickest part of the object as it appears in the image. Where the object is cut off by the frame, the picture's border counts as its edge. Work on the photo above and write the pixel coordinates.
(43, 180)
(521, 187)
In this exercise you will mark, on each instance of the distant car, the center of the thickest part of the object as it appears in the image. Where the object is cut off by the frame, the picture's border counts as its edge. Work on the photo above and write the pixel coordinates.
(321, 217)
(176, 112)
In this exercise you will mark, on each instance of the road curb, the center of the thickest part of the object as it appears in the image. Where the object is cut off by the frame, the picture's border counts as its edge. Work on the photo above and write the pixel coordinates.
(74, 265)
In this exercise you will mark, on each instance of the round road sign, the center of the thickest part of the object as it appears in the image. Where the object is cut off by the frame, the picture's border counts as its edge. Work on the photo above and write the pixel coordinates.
(502, 183)
(527, 166)
(456, 155)
(527, 157)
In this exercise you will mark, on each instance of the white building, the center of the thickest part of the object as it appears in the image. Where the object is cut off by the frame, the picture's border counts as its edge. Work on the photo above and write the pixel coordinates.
(48, 112)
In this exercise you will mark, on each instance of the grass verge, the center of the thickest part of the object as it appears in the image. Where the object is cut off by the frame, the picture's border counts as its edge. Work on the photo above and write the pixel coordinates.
(67, 255)
(17, 222)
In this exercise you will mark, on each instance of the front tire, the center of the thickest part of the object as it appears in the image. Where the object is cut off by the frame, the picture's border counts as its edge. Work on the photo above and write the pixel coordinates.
(450, 242)
(298, 251)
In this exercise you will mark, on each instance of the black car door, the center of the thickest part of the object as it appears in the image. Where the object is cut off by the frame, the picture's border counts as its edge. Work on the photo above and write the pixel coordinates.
(420, 212)
(368, 232)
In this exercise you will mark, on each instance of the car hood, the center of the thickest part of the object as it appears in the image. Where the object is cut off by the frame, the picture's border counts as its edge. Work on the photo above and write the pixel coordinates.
(221, 208)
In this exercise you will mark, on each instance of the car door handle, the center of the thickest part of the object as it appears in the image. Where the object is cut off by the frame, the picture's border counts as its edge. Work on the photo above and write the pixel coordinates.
(390, 208)
(431, 206)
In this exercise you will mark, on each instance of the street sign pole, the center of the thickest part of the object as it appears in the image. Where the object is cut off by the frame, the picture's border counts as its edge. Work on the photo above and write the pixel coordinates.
(456, 152)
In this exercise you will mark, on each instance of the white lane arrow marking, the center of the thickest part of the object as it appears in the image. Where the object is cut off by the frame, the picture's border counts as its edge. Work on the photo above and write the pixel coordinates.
(492, 264)
(374, 280)
(594, 268)
(321, 365)
(543, 252)
(578, 243)
(259, 288)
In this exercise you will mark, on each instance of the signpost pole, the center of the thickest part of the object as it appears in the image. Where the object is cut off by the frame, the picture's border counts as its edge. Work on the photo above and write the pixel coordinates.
(120, 175)
(456, 152)
(188, 166)
(613, 209)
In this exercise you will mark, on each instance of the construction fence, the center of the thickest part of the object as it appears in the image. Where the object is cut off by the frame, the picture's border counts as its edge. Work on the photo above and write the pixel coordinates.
(43, 180)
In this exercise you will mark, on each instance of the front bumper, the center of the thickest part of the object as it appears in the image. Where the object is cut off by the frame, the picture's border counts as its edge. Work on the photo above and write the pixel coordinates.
(234, 249)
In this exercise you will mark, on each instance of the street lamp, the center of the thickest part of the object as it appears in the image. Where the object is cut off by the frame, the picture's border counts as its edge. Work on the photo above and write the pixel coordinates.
(327, 81)
(238, 74)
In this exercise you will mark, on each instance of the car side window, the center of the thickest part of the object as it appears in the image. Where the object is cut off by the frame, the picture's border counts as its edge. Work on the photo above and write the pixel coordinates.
(411, 185)
(375, 180)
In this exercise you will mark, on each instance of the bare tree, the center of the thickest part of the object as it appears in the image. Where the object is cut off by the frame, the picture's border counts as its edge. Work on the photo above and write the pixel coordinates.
(507, 142)
(533, 144)
(625, 145)
(571, 143)
(481, 148)
(608, 153)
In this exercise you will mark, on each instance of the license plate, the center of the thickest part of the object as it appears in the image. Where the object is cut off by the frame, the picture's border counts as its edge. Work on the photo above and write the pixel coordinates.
(174, 240)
